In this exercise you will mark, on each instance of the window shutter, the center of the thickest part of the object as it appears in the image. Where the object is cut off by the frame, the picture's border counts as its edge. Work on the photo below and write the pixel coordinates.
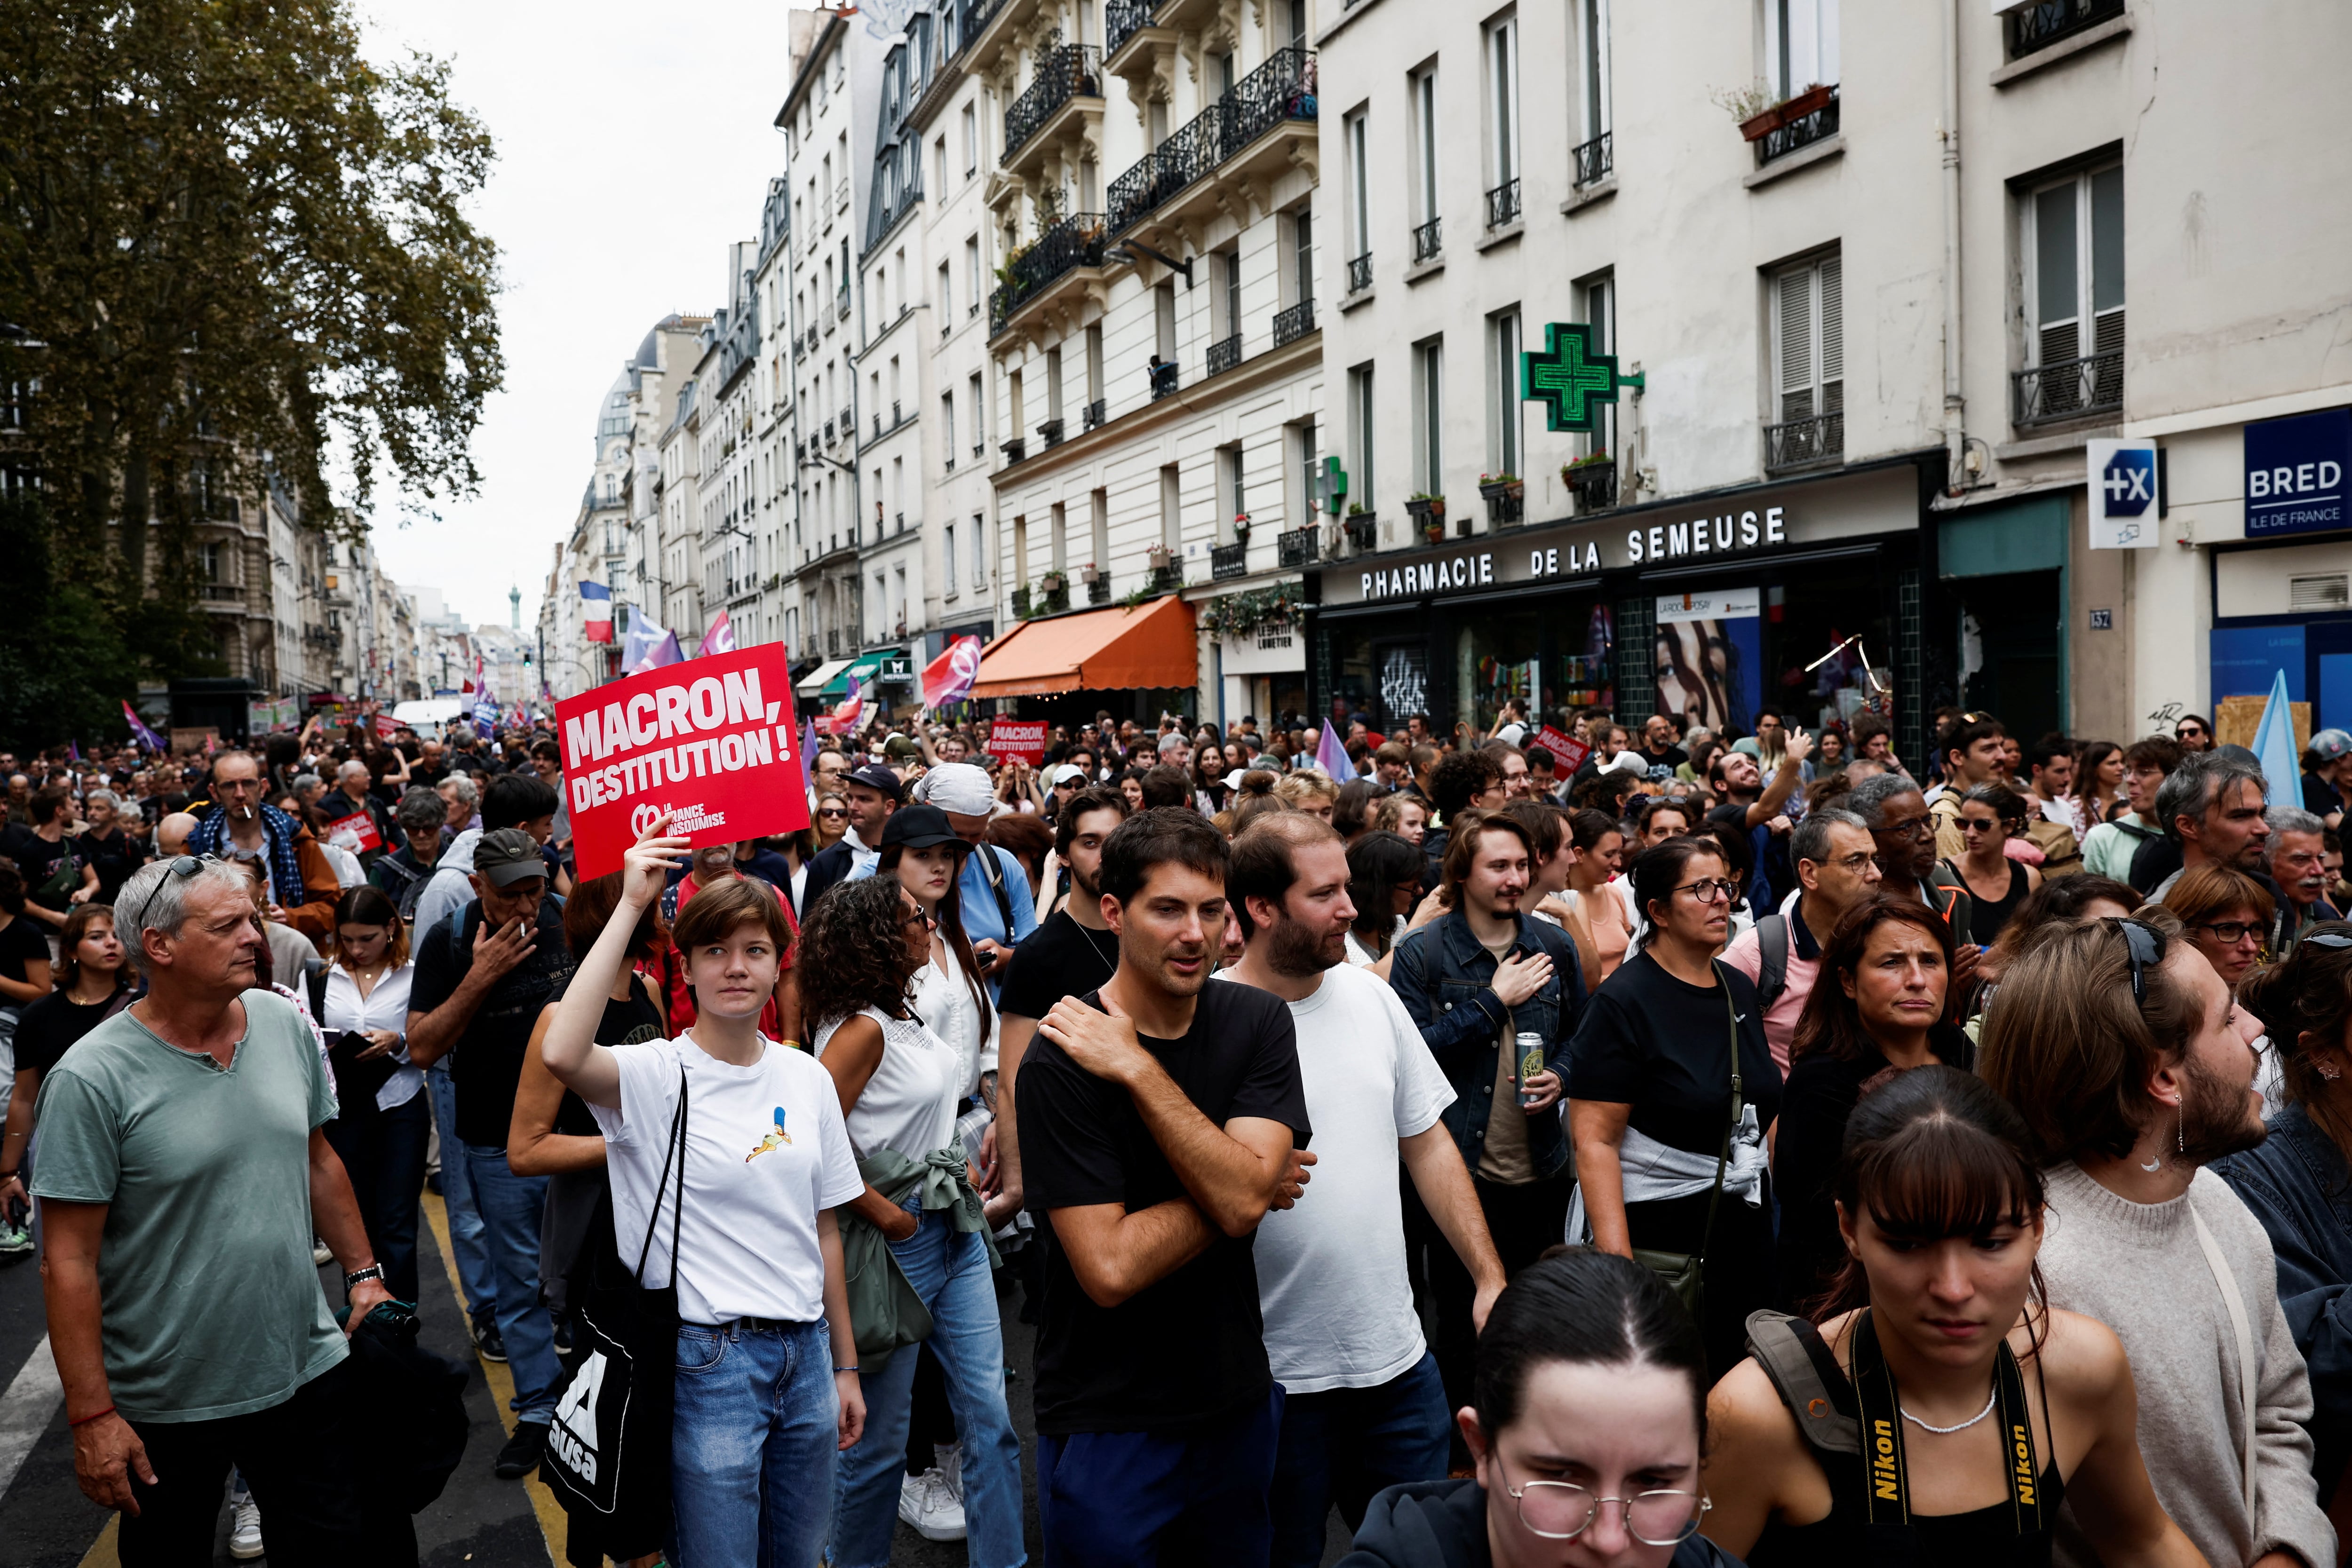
(1833, 306)
(1796, 344)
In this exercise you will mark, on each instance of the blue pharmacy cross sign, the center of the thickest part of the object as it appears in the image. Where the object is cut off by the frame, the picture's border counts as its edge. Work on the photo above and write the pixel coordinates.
(1569, 379)
(2128, 482)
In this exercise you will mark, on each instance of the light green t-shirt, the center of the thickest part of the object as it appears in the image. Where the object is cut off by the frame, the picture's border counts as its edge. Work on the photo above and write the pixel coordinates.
(212, 1305)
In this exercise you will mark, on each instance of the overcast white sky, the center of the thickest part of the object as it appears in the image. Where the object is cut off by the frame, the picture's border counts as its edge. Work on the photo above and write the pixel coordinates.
(634, 142)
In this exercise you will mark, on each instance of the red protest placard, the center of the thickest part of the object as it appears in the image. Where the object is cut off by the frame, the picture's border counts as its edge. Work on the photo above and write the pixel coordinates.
(355, 832)
(386, 726)
(1017, 740)
(1567, 754)
(710, 741)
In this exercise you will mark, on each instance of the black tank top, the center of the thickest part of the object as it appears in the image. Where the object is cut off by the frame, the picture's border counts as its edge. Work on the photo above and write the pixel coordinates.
(1992, 913)
(1981, 1538)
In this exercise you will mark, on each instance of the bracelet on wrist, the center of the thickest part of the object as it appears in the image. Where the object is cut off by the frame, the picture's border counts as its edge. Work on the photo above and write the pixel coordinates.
(86, 1420)
(839, 1370)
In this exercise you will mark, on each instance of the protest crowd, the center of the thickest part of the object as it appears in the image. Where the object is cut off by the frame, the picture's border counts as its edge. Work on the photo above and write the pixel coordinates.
(1602, 1144)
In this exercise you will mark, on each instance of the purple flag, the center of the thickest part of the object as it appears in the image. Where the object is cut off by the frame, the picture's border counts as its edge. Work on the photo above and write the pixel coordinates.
(1331, 756)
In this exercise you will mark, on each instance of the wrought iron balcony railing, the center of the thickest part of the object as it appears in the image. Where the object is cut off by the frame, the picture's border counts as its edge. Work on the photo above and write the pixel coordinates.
(1076, 241)
(1163, 379)
(1050, 433)
(1595, 159)
(1228, 561)
(1222, 356)
(1359, 273)
(1802, 443)
(1295, 547)
(2035, 27)
(1074, 71)
(1281, 89)
(2070, 389)
(1428, 242)
(1015, 450)
(1098, 412)
(1293, 323)
(1798, 133)
(1123, 19)
(1503, 204)
(1098, 590)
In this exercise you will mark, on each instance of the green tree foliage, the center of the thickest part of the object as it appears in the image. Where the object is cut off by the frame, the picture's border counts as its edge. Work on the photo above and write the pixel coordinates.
(232, 251)
(62, 668)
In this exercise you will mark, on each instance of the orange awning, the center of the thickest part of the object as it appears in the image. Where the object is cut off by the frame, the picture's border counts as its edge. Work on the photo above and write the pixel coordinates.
(1097, 650)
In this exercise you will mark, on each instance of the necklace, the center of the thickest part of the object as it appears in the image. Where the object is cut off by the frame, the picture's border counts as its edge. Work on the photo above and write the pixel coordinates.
(1947, 1431)
(1110, 957)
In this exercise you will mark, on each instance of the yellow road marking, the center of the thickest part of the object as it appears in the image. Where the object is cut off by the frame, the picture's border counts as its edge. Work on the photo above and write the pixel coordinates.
(103, 1553)
(554, 1525)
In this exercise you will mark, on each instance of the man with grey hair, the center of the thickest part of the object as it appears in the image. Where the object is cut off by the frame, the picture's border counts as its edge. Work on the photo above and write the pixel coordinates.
(182, 1173)
(350, 797)
(2210, 810)
(1836, 863)
(1894, 809)
(459, 794)
(2298, 864)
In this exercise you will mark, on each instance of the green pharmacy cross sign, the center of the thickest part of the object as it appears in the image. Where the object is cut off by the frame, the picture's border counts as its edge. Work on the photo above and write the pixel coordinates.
(1569, 379)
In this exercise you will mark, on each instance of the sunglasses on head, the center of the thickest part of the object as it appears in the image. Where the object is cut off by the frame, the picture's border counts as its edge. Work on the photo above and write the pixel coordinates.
(2145, 946)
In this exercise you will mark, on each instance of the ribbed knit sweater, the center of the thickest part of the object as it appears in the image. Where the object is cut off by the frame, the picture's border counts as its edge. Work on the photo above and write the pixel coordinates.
(2138, 1269)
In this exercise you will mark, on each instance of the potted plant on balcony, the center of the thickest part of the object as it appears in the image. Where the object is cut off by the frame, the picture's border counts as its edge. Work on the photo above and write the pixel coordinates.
(1240, 527)
(1054, 581)
(1160, 557)
(1429, 512)
(1363, 528)
(1759, 113)
(1089, 573)
(1504, 495)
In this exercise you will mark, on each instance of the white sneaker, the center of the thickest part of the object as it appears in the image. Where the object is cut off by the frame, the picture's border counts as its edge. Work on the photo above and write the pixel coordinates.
(245, 1530)
(930, 1505)
(15, 1237)
(321, 1253)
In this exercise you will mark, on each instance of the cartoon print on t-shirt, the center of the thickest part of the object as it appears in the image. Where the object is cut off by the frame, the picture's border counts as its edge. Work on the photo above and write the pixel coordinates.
(776, 1139)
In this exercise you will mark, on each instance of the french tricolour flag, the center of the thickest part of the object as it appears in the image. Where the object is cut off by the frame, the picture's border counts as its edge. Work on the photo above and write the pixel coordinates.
(596, 611)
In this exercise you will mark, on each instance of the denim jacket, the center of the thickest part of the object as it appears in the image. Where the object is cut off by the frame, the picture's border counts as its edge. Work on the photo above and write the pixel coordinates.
(1445, 981)
(2297, 1185)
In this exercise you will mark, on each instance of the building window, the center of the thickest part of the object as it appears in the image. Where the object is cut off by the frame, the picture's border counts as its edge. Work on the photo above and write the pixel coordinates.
(1359, 205)
(947, 426)
(1597, 295)
(1808, 366)
(948, 560)
(1428, 240)
(979, 554)
(1302, 239)
(1233, 493)
(1801, 44)
(1428, 416)
(2072, 233)
(1360, 437)
(1172, 501)
(971, 142)
(973, 399)
(1098, 530)
(1502, 343)
(1503, 122)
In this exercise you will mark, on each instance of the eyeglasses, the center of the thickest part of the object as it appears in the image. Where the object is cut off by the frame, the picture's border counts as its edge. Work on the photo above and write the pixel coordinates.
(2230, 933)
(185, 866)
(1561, 1510)
(1708, 890)
(2145, 946)
(1978, 825)
(1853, 865)
(918, 917)
(832, 811)
(1916, 828)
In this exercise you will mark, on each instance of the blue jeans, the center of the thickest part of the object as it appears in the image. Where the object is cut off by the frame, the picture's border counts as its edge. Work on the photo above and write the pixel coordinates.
(474, 1274)
(751, 1446)
(1133, 1500)
(948, 1269)
(1343, 1445)
(384, 1154)
(509, 1206)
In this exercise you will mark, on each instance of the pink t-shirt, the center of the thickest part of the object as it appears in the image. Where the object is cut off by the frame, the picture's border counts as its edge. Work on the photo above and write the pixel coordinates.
(1746, 955)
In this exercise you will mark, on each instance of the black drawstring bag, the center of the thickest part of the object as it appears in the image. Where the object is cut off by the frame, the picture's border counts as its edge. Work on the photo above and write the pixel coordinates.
(608, 1448)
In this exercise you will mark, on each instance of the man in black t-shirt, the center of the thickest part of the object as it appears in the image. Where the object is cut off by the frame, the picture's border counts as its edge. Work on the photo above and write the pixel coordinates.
(1071, 953)
(1161, 1118)
(481, 979)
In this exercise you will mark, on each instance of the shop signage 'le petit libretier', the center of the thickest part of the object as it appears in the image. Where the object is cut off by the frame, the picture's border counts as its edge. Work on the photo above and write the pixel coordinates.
(1751, 526)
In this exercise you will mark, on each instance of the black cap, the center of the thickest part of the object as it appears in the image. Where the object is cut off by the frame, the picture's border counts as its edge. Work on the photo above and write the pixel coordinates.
(504, 856)
(919, 828)
(874, 776)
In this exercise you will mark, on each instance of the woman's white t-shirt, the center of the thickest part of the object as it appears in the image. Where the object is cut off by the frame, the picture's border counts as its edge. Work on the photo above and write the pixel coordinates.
(766, 1151)
(910, 1102)
(942, 998)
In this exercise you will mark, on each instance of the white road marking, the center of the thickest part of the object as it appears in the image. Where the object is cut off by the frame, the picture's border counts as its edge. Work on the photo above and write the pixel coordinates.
(24, 1410)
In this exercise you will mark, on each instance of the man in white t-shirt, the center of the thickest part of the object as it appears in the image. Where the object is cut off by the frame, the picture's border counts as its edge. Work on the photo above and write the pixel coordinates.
(1363, 1406)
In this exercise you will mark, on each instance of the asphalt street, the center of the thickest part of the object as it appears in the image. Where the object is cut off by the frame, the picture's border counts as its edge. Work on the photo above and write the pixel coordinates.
(479, 1521)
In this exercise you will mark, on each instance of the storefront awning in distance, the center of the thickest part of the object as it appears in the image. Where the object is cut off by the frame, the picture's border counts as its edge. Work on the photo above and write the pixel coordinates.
(1149, 646)
(820, 677)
